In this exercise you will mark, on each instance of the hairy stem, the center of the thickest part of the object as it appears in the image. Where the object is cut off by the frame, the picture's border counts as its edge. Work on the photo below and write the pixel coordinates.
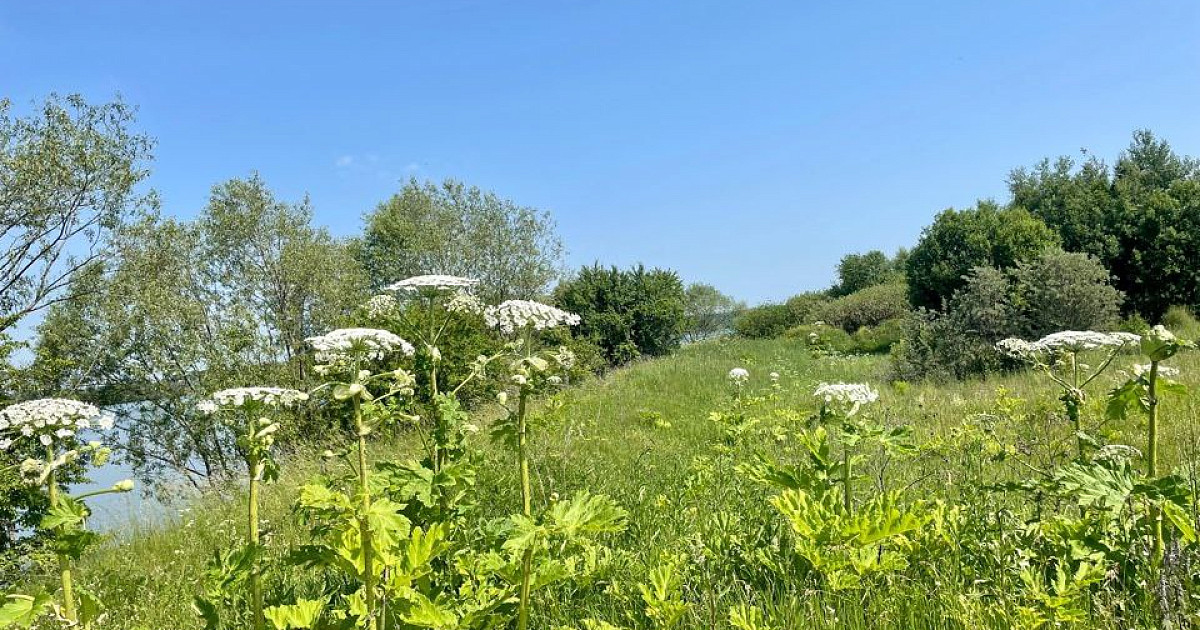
(64, 561)
(527, 509)
(1152, 457)
(364, 524)
(255, 468)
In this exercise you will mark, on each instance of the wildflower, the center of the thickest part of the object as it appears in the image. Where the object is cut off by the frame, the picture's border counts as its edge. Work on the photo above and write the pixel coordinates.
(1143, 369)
(846, 393)
(515, 315)
(381, 306)
(123, 486)
(241, 396)
(1080, 340)
(739, 376)
(1160, 343)
(49, 419)
(464, 303)
(344, 343)
(432, 282)
(774, 376)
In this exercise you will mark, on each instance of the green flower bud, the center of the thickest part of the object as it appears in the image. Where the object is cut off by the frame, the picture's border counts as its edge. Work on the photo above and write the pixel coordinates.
(1160, 344)
(123, 486)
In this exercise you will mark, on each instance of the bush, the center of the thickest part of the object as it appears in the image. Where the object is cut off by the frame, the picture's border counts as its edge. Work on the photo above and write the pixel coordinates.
(1065, 291)
(879, 339)
(1179, 318)
(829, 338)
(958, 241)
(866, 340)
(764, 321)
(626, 313)
(961, 342)
(709, 312)
(868, 307)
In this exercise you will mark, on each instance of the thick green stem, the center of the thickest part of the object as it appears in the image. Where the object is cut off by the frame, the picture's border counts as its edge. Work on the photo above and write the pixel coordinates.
(527, 510)
(1073, 414)
(846, 476)
(364, 524)
(1152, 457)
(64, 561)
(255, 582)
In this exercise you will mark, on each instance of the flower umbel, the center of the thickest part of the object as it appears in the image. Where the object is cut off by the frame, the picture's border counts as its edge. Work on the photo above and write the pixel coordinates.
(432, 282)
(850, 394)
(515, 315)
(369, 343)
(49, 420)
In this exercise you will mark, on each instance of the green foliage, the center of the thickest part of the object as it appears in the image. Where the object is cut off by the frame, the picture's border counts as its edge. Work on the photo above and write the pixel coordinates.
(709, 312)
(856, 272)
(868, 307)
(627, 313)
(451, 228)
(765, 321)
(1064, 291)
(1180, 318)
(68, 174)
(960, 240)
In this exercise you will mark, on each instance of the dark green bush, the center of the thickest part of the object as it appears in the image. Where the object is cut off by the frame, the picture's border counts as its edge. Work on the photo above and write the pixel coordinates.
(764, 321)
(1064, 291)
(868, 307)
(866, 340)
(626, 313)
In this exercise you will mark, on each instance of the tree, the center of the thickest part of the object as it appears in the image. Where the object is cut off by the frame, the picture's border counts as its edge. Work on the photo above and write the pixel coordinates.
(455, 229)
(860, 271)
(193, 307)
(960, 240)
(627, 313)
(67, 180)
(1064, 291)
(1141, 218)
(709, 312)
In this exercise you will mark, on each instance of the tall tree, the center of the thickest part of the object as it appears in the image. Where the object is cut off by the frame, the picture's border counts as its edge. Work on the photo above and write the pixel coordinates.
(68, 175)
(709, 312)
(457, 229)
(192, 307)
(960, 240)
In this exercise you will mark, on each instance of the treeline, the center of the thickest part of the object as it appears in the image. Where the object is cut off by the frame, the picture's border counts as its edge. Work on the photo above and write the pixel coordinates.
(1079, 244)
(137, 308)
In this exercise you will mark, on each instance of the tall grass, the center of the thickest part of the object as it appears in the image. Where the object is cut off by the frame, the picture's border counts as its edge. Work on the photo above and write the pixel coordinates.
(679, 500)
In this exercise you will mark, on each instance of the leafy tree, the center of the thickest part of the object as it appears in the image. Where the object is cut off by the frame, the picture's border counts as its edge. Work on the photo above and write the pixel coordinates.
(1064, 291)
(960, 240)
(192, 307)
(627, 313)
(709, 312)
(1077, 203)
(461, 230)
(67, 180)
(860, 271)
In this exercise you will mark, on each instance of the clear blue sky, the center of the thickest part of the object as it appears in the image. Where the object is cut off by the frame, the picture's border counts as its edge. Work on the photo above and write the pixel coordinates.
(746, 144)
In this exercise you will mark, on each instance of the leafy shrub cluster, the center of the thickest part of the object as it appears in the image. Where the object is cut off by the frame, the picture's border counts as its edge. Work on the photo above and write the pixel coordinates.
(868, 307)
(772, 320)
(1055, 291)
(626, 313)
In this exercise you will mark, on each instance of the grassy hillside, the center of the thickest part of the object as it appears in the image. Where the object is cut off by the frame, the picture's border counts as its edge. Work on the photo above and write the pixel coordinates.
(689, 506)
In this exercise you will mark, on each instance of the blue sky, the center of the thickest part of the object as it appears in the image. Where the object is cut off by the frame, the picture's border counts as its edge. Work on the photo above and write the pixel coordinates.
(746, 144)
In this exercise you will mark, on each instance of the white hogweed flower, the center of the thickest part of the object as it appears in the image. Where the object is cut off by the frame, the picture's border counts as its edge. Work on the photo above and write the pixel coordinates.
(1143, 369)
(464, 303)
(381, 306)
(1066, 341)
(343, 343)
(432, 283)
(739, 376)
(846, 393)
(49, 420)
(277, 397)
(515, 315)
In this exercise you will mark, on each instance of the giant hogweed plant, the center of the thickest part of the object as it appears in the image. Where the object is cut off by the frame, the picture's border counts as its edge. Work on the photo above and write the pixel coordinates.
(255, 416)
(49, 431)
(1060, 357)
(542, 543)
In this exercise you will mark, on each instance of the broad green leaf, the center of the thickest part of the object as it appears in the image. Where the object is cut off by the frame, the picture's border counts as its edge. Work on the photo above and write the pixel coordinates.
(299, 616)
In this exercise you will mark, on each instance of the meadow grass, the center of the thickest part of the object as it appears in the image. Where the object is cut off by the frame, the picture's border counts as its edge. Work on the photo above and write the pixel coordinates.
(686, 502)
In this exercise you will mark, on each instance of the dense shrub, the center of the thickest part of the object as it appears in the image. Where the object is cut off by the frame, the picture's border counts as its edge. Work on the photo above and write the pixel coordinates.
(881, 338)
(764, 321)
(960, 342)
(1065, 291)
(868, 307)
(772, 320)
(866, 340)
(626, 313)
(1179, 318)
(958, 241)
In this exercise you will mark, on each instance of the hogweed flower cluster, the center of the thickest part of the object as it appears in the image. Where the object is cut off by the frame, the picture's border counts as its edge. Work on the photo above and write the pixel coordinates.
(277, 397)
(49, 420)
(432, 282)
(515, 315)
(846, 394)
(345, 344)
(381, 306)
(739, 376)
(1071, 341)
